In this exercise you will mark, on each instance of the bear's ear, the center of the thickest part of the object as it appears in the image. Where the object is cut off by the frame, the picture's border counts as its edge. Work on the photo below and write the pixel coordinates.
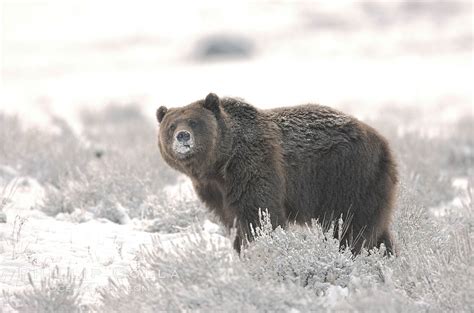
(160, 113)
(212, 103)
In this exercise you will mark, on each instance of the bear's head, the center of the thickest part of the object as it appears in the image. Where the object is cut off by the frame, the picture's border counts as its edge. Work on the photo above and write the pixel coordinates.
(190, 137)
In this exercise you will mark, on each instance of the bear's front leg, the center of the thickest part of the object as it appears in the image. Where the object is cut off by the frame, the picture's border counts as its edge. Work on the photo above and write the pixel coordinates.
(246, 203)
(253, 180)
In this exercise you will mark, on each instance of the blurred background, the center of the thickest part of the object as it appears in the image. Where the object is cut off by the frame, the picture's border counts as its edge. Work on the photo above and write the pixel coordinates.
(59, 57)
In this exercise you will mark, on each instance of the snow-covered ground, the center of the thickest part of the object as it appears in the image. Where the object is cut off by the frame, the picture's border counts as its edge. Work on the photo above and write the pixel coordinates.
(33, 243)
(404, 66)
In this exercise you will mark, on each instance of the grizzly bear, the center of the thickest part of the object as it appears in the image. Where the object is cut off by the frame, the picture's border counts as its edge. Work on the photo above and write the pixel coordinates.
(299, 163)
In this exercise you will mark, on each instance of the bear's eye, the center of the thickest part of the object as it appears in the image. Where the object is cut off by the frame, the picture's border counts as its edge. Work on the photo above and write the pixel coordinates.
(192, 123)
(172, 127)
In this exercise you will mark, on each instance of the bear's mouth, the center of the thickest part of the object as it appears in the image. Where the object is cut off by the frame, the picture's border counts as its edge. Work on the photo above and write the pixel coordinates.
(183, 150)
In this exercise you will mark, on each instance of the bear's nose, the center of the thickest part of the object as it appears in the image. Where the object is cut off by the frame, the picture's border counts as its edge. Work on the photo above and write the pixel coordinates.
(183, 136)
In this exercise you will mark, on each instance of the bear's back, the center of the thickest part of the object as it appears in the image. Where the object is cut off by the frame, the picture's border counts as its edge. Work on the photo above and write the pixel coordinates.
(312, 128)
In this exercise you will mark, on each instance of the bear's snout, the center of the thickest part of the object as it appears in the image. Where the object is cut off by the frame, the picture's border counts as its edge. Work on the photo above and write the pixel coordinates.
(183, 136)
(183, 143)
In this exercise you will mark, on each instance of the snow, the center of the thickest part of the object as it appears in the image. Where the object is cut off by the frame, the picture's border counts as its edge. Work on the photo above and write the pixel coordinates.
(335, 294)
(102, 249)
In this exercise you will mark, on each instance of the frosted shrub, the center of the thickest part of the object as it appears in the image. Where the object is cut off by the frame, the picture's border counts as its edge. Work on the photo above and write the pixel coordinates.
(99, 188)
(281, 270)
(115, 160)
(436, 257)
(302, 268)
(309, 257)
(199, 275)
(172, 215)
(123, 168)
(428, 162)
(58, 292)
(49, 156)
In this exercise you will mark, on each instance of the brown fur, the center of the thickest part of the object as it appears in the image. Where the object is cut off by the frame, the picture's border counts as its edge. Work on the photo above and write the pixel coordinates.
(301, 163)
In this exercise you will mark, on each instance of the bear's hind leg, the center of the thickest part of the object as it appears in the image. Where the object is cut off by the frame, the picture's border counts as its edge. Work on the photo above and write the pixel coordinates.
(386, 239)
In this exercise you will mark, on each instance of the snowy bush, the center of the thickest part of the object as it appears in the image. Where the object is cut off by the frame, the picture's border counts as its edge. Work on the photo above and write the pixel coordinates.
(302, 269)
(436, 257)
(51, 156)
(172, 215)
(201, 276)
(101, 186)
(58, 292)
(429, 155)
(114, 161)
(306, 256)
(125, 171)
